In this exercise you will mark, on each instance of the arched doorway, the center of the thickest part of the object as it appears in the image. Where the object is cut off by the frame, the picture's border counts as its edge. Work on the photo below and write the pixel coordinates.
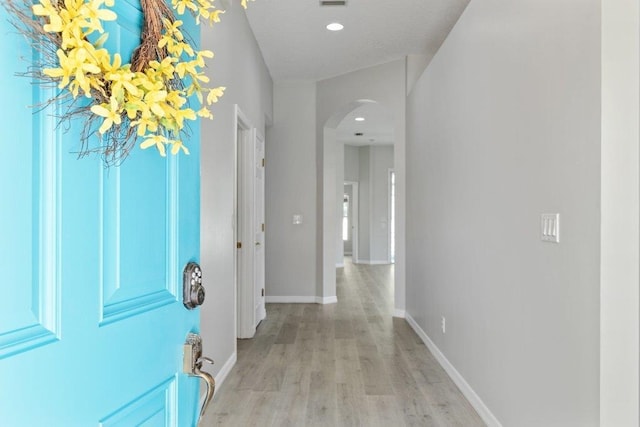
(357, 148)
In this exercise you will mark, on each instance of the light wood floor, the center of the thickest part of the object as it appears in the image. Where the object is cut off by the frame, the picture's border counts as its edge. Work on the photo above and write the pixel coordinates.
(345, 364)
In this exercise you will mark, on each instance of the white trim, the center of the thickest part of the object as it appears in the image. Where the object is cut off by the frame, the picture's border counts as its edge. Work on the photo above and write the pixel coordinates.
(399, 313)
(226, 369)
(245, 135)
(374, 262)
(482, 409)
(222, 375)
(290, 300)
(340, 265)
(327, 300)
(619, 213)
(301, 300)
(389, 215)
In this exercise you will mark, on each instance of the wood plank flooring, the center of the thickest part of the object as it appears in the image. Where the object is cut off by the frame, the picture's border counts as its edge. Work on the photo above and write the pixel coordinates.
(345, 364)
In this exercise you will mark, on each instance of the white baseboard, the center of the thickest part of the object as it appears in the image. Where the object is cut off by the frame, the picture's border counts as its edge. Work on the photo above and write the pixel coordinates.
(399, 313)
(290, 300)
(226, 368)
(370, 262)
(222, 375)
(482, 409)
(340, 265)
(300, 300)
(327, 300)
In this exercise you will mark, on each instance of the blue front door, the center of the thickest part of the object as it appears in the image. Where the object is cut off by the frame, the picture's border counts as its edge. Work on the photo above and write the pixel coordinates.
(91, 316)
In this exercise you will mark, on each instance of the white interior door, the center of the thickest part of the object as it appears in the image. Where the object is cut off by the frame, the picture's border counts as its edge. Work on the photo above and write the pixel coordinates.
(259, 231)
(244, 227)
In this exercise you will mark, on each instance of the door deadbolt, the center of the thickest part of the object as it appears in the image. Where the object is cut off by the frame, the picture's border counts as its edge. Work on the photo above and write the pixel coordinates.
(193, 291)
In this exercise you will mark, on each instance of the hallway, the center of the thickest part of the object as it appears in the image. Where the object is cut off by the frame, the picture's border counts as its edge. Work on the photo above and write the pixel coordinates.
(346, 364)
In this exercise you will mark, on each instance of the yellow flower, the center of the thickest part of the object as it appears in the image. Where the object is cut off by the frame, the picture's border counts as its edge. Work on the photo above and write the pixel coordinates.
(133, 106)
(121, 77)
(158, 140)
(205, 113)
(165, 67)
(176, 48)
(111, 113)
(148, 81)
(214, 15)
(176, 99)
(147, 122)
(65, 72)
(194, 89)
(180, 115)
(154, 99)
(184, 68)
(176, 146)
(45, 8)
(94, 16)
(180, 5)
(201, 55)
(173, 30)
(214, 94)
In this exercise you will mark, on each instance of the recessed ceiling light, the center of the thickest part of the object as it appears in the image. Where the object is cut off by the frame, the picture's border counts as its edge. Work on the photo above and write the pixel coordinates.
(335, 26)
(359, 119)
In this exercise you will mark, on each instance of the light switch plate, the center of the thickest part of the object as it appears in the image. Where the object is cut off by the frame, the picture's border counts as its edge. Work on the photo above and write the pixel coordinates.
(550, 227)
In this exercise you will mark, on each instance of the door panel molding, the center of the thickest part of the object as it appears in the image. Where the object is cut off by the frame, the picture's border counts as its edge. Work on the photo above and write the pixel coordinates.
(34, 296)
(145, 283)
(158, 406)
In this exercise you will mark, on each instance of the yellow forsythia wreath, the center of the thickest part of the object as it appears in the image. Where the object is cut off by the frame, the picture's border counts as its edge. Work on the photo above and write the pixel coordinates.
(146, 98)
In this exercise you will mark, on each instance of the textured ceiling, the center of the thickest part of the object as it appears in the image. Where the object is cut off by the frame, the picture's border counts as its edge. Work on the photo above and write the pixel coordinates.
(296, 44)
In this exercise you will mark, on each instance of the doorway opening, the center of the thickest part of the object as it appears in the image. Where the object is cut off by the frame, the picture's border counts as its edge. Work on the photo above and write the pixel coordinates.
(350, 220)
(358, 146)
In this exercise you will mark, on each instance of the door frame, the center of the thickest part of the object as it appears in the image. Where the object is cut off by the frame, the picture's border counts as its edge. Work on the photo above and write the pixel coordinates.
(244, 137)
(355, 215)
(390, 216)
(260, 312)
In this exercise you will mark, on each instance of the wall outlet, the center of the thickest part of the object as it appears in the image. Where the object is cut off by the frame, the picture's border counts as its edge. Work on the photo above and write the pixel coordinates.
(444, 325)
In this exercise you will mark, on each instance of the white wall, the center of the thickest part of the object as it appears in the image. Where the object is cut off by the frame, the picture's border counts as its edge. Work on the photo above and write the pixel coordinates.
(239, 66)
(291, 189)
(364, 240)
(351, 163)
(505, 125)
(619, 382)
(385, 84)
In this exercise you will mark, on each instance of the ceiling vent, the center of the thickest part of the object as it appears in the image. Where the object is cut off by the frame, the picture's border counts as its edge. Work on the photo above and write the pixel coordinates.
(333, 2)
